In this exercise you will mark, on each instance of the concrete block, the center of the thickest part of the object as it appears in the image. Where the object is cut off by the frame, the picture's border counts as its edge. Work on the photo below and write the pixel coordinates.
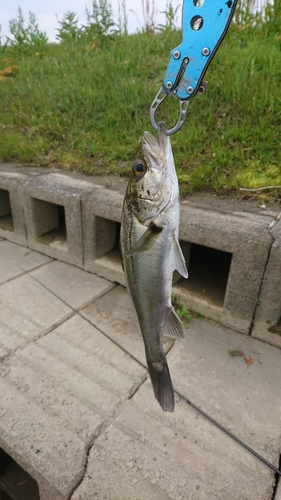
(228, 257)
(12, 225)
(267, 321)
(226, 254)
(52, 207)
(102, 212)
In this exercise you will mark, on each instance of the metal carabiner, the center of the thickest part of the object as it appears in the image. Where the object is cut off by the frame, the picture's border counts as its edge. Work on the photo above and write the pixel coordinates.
(159, 98)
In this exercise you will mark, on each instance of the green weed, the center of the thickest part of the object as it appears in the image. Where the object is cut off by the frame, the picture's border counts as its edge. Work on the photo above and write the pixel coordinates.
(83, 103)
(26, 34)
(181, 310)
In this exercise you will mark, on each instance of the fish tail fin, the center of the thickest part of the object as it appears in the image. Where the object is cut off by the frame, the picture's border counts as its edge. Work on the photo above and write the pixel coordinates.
(162, 385)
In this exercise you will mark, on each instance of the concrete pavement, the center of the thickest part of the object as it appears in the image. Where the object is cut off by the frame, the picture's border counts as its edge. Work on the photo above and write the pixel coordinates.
(78, 412)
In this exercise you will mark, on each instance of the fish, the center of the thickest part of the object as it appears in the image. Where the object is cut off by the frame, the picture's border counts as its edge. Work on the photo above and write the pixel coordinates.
(150, 251)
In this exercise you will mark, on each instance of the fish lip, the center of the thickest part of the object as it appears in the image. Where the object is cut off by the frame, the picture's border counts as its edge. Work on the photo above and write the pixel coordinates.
(155, 148)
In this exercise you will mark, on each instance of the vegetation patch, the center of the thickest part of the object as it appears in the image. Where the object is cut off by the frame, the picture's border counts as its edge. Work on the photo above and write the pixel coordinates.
(82, 103)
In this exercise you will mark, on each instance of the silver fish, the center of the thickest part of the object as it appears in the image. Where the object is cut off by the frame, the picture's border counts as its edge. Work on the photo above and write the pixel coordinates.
(151, 252)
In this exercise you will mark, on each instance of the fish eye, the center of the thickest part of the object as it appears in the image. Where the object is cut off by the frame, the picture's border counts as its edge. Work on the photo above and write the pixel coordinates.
(139, 168)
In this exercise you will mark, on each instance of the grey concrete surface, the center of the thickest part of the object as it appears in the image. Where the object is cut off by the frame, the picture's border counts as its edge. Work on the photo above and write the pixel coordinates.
(248, 242)
(12, 224)
(78, 413)
(42, 197)
(76, 219)
(16, 260)
(267, 323)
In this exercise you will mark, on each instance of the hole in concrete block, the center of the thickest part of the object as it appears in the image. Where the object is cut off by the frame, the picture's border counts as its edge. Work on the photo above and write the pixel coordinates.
(50, 225)
(276, 328)
(6, 217)
(107, 261)
(15, 482)
(208, 271)
(106, 236)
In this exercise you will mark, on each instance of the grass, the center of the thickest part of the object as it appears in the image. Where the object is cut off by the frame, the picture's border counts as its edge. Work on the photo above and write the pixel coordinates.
(82, 104)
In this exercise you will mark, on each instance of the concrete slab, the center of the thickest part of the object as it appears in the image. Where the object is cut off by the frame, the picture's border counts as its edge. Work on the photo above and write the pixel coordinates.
(15, 260)
(73, 285)
(146, 453)
(171, 457)
(66, 386)
(243, 397)
(29, 310)
(40, 444)
(115, 315)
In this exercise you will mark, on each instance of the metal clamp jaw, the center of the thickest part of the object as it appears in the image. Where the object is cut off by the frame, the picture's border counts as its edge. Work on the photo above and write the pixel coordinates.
(204, 26)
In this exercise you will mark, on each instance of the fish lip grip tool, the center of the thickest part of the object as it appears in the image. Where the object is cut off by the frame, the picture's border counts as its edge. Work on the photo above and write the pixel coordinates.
(204, 26)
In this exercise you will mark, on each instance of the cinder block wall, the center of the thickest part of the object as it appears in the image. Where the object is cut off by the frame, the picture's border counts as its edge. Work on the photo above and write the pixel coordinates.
(234, 259)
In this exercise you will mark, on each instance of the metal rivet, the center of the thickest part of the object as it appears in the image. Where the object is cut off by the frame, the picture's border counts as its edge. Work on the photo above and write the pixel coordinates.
(177, 54)
(206, 51)
(189, 90)
(169, 85)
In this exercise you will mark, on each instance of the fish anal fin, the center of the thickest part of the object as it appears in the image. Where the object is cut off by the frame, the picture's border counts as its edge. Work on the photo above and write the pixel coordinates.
(173, 327)
(162, 385)
(179, 261)
(147, 240)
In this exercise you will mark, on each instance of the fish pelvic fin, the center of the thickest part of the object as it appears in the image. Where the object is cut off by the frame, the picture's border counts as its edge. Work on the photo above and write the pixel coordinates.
(173, 327)
(179, 261)
(162, 385)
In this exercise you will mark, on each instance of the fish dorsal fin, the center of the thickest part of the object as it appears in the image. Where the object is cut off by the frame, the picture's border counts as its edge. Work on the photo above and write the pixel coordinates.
(147, 240)
(179, 261)
(173, 326)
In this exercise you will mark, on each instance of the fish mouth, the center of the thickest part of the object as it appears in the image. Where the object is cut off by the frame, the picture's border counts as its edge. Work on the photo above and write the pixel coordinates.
(155, 148)
(162, 136)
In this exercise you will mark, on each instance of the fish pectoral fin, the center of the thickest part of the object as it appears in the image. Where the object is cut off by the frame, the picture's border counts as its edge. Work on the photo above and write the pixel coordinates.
(147, 240)
(173, 326)
(179, 261)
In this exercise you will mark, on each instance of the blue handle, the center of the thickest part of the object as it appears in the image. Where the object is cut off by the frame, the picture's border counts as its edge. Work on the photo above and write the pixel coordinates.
(203, 28)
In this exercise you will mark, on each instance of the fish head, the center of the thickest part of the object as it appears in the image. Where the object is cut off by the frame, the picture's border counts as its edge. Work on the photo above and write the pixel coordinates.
(153, 180)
